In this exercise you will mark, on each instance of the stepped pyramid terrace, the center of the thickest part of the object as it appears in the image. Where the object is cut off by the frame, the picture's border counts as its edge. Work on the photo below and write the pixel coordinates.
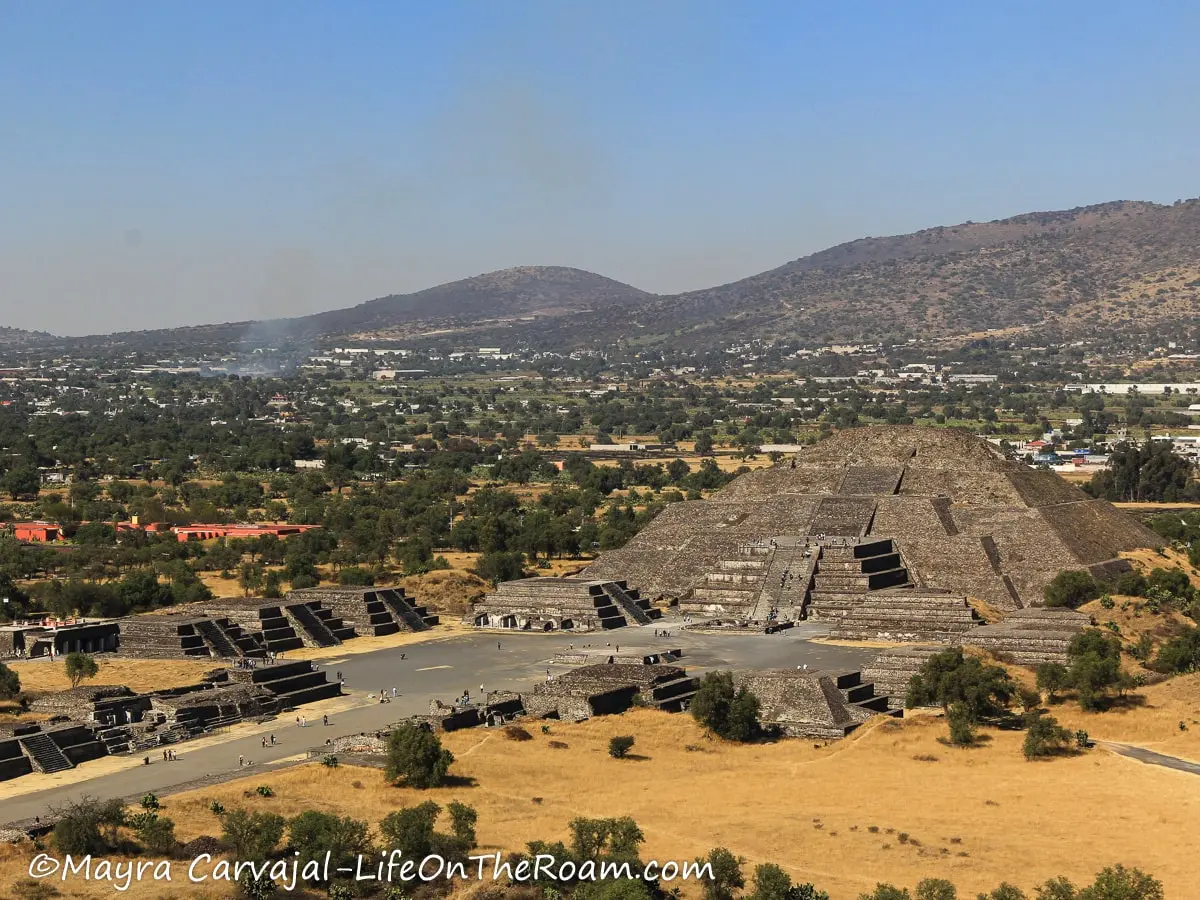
(883, 531)
(562, 604)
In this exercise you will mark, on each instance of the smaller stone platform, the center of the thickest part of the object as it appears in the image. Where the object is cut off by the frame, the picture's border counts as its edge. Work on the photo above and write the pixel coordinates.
(562, 604)
(1030, 636)
(812, 704)
(609, 689)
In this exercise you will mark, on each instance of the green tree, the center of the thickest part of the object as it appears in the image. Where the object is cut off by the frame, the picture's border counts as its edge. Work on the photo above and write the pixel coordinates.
(961, 723)
(952, 677)
(1095, 666)
(935, 889)
(1120, 883)
(417, 757)
(79, 668)
(726, 878)
(462, 823)
(312, 834)
(1044, 736)
(725, 711)
(1005, 891)
(154, 832)
(1072, 589)
(1051, 678)
(252, 835)
(886, 892)
(772, 883)
(10, 683)
(411, 830)
(22, 481)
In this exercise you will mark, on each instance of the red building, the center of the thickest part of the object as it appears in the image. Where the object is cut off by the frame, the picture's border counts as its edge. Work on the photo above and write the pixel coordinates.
(36, 532)
(207, 532)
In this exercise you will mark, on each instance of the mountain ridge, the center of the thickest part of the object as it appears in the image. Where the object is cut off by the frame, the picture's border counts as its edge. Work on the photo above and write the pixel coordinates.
(1119, 264)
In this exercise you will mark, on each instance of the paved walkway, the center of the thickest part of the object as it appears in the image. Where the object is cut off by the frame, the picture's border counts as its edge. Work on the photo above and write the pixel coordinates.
(421, 672)
(1141, 754)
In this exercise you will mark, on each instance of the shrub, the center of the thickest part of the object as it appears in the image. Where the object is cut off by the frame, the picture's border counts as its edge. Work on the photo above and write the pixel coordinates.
(10, 683)
(417, 757)
(772, 883)
(264, 791)
(89, 826)
(150, 801)
(462, 823)
(620, 745)
(962, 725)
(726, 874)
(950, 678)
(155, 833)
(311, 834)
(329, 761)
(216, 808)
(1051, 677)
(251, 835)
(1095, 666)
(1072, 589)
(1044, 736)
(935, 889)
(1180, 654)
(32, 889)
(1131, 583)
(726, 712)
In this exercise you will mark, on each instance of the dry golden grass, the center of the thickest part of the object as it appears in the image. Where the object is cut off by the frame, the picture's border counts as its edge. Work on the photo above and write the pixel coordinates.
(44, 676)
(976, 817)
(1168, 558)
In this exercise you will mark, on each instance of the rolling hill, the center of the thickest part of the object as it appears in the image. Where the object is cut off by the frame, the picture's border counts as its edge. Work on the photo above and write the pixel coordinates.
(1115, 269)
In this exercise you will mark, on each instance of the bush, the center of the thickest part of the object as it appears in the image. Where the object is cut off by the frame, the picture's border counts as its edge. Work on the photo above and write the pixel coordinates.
(329, 761)
(417, 757)
(10, 683)
(962, 725)
(1180, 654)
(1044, 736)
(216, 808)
(726, 712)
(313, 833)
(726, 874)
(772, 883)
(150, 801)
(155, 833)
(935, 889)
(1131, 584)
(462, 823)
(516, 733)
(1095, 666)
(89, 826)
(619, 746)
(951, 678)
(32, 889)
(264, 791)
(1071, 589)
(356, 576)
(1051, 677)
(251, 835)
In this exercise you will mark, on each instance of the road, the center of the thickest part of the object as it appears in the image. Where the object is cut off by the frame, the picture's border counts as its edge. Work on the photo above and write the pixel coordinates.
(1141, 754)
(441, 669)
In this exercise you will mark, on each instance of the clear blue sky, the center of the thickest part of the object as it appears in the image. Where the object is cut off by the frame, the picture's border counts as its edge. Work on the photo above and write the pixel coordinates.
(174, 162)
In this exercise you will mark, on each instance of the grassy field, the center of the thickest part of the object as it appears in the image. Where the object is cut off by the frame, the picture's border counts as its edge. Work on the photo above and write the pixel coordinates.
(891, 804)
(44, 676)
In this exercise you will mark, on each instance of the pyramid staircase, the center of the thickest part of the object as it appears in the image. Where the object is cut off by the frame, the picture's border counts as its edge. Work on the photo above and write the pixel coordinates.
(44, 754)
(631, 603)
(408, 616)
(309, 627)
(847, 571)
(733, 588)
(217, 641)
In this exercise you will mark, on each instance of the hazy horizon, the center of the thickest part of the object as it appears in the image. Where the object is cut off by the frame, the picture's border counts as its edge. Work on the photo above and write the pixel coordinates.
(183, 165)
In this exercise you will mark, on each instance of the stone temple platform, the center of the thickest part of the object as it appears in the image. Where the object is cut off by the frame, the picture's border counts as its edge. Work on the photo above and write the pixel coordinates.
(608, 689)
(1028, 637)
(813, 704)
(562, 604)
